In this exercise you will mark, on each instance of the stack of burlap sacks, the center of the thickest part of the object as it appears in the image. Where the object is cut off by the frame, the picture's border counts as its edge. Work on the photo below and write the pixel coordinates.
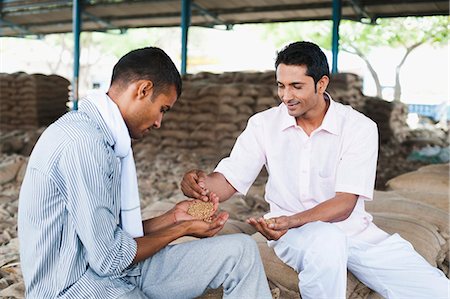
(31, 101)
(211, 114)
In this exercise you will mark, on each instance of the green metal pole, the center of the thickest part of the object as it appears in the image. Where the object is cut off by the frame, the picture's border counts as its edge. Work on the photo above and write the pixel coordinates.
(337, 13)
(76, 14)
(185, 23)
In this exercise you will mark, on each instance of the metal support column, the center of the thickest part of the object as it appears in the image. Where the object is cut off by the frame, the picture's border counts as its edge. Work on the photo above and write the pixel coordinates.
(76, 28)
(337, 12)
(185, 23)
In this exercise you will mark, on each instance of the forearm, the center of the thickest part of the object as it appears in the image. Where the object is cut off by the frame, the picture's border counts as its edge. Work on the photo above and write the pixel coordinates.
(154, 241)
(217, 183)
(335, 209)
(157, 223)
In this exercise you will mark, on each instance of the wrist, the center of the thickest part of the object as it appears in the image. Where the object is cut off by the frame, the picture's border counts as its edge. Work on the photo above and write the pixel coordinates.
(295, 221)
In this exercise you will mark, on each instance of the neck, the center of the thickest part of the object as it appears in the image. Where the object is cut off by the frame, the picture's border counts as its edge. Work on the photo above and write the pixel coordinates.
(313, 118)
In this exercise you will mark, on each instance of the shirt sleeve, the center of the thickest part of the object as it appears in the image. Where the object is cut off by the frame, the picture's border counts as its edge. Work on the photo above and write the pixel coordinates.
(357, 166)
(92, 205)
(246, 158)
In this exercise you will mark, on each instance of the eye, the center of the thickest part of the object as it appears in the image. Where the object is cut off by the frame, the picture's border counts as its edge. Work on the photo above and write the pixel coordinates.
(297, 86)
(280, 86)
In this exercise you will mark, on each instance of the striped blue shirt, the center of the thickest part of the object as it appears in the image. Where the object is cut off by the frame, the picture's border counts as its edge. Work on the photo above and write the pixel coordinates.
(71, 244)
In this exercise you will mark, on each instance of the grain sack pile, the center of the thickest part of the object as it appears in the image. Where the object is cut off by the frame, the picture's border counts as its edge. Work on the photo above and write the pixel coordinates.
(211, 114)
(346, 88)
(31, 101)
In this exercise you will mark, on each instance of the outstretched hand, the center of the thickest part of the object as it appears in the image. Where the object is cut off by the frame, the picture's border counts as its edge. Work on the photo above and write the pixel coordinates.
(273, 230)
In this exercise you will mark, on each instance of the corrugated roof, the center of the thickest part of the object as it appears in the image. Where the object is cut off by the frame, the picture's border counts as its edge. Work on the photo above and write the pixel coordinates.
(24, 17)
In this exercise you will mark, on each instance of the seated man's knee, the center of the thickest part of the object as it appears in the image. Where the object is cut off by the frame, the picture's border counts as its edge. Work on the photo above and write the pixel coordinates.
(241, 246)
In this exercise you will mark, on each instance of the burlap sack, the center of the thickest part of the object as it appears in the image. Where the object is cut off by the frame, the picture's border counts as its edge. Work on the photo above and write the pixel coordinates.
(9, 168)
(395, 203)
(424, 236)
(429, 184)
(286, 279)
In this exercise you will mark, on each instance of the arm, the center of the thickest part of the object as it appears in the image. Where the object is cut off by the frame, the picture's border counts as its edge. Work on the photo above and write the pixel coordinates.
(235, 173)
(85, 166)
(335, 209)
(154, 241)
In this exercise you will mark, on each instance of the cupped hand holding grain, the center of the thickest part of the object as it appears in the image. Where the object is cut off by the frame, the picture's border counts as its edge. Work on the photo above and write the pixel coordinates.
(196, 209)
(266, 227)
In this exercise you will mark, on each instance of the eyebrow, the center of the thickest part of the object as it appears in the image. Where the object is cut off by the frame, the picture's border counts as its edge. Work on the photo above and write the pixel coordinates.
(292, 83)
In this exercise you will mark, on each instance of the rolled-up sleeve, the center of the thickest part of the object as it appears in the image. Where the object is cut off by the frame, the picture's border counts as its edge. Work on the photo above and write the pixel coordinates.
(92, 205)
(246, 158)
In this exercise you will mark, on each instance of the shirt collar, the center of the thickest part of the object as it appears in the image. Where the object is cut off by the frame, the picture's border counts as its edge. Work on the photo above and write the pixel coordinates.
(90, 109)
(330, 122)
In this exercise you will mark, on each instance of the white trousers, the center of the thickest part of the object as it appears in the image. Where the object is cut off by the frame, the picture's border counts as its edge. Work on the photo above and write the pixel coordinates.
(321, 253)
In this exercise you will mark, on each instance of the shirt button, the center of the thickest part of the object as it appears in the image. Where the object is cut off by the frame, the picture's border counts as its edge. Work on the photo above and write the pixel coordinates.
(303, 195)
(304, 171)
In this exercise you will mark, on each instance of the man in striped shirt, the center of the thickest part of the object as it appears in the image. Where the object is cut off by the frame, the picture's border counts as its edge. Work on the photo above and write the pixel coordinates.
(79, 217)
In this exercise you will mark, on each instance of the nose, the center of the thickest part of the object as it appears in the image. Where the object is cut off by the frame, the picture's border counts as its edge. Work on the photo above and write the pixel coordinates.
(157, 123)
(285, 94)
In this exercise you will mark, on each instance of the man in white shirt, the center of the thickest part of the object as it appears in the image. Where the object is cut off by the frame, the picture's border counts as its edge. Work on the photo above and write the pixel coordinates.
(321, 159)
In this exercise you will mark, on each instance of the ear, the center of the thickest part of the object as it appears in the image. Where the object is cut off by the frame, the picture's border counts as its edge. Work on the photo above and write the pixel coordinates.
(145, 89)
(322, 84)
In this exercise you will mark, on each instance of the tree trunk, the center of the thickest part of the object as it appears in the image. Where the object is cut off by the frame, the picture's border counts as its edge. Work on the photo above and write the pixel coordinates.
(398, 87)
(55, 67)
(372, 71)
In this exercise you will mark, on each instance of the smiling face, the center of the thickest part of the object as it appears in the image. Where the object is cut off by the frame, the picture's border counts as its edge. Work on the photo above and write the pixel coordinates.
(297, 91)
(146, 111)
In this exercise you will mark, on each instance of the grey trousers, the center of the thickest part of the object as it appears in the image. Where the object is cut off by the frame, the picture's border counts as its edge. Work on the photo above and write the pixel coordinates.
(187, 270)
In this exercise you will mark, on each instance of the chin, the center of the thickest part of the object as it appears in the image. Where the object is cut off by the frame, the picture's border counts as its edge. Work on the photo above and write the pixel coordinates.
(295, 113)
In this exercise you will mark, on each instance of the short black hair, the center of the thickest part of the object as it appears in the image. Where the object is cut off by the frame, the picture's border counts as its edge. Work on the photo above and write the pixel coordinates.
(308, 54)
(148, 63)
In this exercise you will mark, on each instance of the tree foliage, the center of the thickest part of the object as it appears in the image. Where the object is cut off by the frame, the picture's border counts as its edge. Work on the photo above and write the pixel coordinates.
(361, 38)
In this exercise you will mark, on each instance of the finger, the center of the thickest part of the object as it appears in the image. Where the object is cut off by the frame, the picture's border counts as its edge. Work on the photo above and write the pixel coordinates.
(252, 221)
(256, 225)
(190, 191)
(215, 200)
(201, 177)
(265, 228)
(194, 180)
(221, 218)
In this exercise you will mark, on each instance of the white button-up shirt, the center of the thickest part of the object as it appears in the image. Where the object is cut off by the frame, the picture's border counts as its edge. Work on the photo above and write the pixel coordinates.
(338, 156)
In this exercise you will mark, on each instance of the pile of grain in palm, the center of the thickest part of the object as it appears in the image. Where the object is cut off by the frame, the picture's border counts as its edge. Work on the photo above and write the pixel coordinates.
(201, 210)
(269, 221)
